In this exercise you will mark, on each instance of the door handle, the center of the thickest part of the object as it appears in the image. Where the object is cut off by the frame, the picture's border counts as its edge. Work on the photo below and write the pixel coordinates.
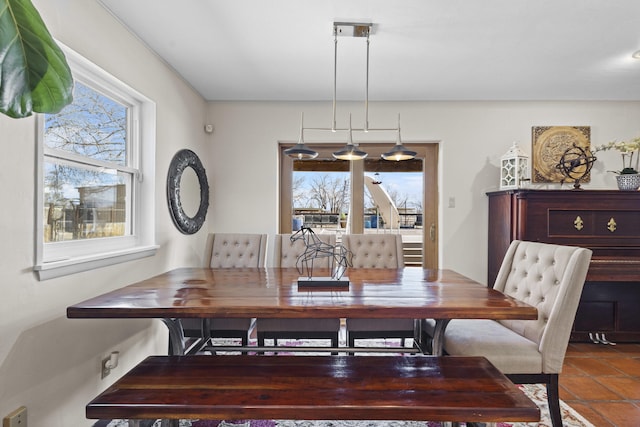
(432, 232)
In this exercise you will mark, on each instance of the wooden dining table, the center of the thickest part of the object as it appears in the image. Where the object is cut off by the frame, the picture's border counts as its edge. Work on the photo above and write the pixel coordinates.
(410, 292)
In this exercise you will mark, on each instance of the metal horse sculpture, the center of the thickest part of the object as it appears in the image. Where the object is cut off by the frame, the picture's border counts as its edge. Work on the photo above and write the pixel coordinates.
(315, 248)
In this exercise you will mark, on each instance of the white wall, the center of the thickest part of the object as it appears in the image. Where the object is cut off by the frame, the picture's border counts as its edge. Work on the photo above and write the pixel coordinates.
(47, 362)
(473, 136)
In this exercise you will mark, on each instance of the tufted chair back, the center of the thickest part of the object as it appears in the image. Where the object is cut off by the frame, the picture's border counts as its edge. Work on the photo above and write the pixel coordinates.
(550, 278)
(285, 255)
(286, 252)
(375, 250)
(236, 250)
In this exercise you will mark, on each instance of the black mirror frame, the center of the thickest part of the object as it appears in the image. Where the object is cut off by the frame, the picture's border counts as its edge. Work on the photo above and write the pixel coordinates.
(182, 160)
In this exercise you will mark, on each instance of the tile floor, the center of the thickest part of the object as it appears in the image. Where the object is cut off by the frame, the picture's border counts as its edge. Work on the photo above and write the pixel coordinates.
(602, 383)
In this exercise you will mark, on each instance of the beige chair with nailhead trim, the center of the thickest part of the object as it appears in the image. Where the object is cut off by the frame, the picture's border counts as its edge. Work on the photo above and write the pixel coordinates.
(548, 277)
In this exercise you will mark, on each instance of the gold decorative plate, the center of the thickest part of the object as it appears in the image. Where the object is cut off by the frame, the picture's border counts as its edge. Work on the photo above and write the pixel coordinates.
(549, 144)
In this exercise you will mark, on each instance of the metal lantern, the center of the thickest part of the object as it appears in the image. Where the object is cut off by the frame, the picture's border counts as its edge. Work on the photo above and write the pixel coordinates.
(514, 168)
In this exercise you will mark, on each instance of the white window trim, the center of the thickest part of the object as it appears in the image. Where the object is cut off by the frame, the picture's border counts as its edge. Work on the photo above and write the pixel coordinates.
(142, 242)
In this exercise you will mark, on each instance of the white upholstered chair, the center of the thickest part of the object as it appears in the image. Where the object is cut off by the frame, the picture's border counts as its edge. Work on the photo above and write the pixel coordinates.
(376, 251)
(286, 255)
(230, 250)
(548, 277)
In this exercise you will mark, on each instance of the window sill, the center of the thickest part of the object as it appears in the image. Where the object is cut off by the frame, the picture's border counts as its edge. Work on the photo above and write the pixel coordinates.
(53, 269)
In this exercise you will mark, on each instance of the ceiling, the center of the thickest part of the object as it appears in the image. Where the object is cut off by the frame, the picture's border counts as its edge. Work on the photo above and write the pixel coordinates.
(419, 49)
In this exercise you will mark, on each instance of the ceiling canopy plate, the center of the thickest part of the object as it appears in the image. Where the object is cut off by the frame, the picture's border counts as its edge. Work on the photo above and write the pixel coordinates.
(352, 29)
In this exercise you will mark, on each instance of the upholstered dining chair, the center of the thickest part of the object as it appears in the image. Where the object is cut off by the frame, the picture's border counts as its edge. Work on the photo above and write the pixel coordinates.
(229, 250)
(285, 255)
(376, 251)
(548, 277)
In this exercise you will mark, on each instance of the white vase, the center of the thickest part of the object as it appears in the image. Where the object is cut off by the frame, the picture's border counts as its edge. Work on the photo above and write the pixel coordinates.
(628, 182)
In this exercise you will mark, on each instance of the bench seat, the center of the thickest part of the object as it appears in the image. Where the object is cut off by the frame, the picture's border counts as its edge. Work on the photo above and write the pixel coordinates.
(234, 387)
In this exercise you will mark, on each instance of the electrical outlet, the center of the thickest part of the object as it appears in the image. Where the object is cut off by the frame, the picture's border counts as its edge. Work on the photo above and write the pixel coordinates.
(110, 363)
(105, 371)
(17, 418)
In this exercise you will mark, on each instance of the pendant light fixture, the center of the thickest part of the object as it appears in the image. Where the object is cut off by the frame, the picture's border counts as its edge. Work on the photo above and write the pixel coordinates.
(300, 151)
(351, 150)
(399, 151)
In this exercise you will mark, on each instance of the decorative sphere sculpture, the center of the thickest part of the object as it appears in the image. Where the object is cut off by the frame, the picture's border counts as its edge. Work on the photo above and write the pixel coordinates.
(575, 164)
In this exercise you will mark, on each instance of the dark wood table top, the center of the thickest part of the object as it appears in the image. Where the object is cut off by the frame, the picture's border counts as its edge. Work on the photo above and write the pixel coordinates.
(411, 292)
(315, 387)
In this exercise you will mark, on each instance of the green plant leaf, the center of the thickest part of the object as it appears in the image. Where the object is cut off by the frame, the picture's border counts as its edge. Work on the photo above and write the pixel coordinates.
(34, 74)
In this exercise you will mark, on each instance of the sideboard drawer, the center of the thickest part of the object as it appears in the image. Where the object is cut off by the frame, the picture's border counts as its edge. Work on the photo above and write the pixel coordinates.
(596, 224)
(573, 223)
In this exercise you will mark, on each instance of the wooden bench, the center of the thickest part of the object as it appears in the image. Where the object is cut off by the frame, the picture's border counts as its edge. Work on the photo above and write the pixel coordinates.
(235, 387)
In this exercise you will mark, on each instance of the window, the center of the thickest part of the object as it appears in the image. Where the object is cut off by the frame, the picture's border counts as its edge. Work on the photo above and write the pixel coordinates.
(94, 183)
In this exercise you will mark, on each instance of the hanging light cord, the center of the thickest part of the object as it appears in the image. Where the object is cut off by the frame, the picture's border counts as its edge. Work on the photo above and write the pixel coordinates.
(335, 74)
(335, 83)
(366, 91)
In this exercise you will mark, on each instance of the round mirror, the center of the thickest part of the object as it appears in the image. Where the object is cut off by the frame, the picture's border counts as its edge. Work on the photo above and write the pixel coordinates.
(190, 192)
(186, 175)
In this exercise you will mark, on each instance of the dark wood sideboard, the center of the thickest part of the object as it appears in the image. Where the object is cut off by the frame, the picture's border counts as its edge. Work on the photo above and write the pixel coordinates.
(605, 221)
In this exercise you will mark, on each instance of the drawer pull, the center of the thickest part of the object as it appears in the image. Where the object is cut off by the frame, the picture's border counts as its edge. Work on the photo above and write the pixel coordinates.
(611, 225)
(578, 223)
